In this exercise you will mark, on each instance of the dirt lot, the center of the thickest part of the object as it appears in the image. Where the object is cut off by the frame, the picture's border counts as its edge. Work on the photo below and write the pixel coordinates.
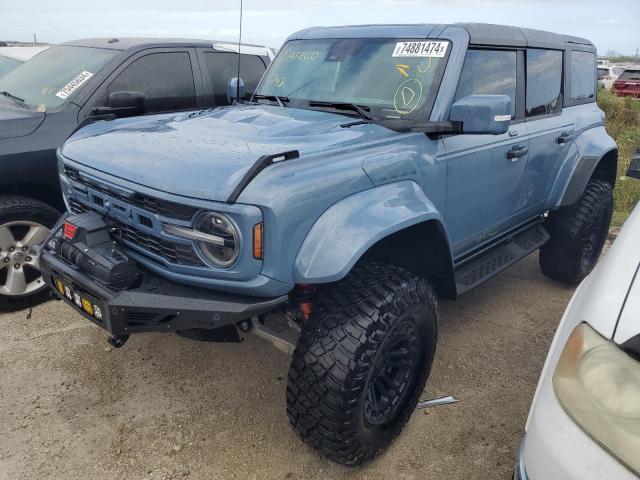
(165, 407)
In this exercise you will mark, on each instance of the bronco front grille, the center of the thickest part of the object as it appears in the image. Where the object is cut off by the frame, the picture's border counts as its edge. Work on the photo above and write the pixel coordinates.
(146, 202)
(176, 253)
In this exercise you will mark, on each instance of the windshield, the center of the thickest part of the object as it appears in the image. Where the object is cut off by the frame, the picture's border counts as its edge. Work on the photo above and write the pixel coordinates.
(7, 64)
(48, 79)
(603, 72)
(390, 79)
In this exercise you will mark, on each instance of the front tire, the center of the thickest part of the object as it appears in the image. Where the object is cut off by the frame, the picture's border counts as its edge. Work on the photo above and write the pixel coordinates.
(24, 223)
(578, 234)
(362, 362)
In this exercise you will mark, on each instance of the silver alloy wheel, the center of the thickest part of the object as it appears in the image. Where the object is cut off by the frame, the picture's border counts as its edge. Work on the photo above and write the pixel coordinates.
(18, 274)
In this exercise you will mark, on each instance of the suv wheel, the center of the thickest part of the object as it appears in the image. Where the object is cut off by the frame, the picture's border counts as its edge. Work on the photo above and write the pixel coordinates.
(578, 234)
(362, 362)
(24, 222)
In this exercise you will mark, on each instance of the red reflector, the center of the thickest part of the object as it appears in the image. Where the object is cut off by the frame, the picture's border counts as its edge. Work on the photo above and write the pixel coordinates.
(70, 230)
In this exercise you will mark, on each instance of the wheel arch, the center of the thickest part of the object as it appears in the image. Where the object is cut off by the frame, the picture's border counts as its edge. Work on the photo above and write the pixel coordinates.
(36, 191)
(602, 167)
(394, 223)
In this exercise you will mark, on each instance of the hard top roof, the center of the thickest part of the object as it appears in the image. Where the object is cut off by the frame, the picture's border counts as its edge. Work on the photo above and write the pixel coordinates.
(479, 34)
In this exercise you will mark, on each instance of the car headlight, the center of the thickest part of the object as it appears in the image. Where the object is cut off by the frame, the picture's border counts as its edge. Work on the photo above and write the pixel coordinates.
(598, 385)
(221, 254)
(215, 236)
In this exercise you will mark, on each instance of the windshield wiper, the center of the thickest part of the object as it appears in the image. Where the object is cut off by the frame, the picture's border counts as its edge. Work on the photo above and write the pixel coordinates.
(14, 98)
(274, 98)
(361, 110)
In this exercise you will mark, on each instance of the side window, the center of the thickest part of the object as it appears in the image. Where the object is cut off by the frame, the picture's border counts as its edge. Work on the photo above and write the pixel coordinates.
(223, 66)
(583, 75)
(166, 79)
(544, 82)
(489, 72)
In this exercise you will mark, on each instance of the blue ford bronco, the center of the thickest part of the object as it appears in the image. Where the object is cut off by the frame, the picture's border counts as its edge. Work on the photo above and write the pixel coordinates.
(375, 169)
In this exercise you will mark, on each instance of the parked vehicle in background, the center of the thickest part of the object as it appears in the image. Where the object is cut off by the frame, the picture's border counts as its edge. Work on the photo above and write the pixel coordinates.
(70, 85)
(329, 213)
(12, 57)
(584, 422)
(628, 83)
(608, 74)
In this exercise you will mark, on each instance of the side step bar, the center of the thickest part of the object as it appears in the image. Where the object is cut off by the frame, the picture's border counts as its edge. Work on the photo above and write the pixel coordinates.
(494, 261)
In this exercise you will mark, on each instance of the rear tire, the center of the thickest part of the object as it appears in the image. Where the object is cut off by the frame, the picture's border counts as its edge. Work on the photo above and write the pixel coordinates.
(24, 222)
(578, 234)
(362, 362)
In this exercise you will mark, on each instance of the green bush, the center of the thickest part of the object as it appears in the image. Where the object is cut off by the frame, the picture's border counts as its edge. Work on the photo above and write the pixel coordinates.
(623, 124)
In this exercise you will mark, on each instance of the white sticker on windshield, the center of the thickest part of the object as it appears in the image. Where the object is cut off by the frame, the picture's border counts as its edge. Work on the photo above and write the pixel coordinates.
(420, 49)
(73, 84)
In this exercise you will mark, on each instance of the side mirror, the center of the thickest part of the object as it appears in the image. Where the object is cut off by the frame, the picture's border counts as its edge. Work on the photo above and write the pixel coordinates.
(235, 90)
(483, 114)
(123, 104)
(634, 166)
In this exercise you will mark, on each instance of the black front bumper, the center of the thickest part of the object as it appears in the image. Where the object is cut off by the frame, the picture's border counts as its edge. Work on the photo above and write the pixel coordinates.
(154, 304)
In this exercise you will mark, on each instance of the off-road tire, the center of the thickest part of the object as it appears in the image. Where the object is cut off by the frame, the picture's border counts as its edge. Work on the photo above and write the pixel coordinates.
(578, 234)
(339, 352)
(15, 209)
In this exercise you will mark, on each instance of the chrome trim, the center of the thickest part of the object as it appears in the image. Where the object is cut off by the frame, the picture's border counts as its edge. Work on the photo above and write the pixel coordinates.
(193, 234)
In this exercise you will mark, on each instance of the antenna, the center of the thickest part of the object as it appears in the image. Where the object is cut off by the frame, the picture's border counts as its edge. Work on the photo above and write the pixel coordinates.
(239, 55)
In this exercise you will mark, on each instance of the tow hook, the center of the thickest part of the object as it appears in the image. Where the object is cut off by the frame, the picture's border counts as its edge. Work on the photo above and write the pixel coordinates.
(117, 341)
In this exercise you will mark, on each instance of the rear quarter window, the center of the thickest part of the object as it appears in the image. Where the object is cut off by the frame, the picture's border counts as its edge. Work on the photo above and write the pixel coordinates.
(583, 76)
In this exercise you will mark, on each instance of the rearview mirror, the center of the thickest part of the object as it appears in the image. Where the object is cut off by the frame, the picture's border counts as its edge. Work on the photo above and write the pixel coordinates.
(123, 104)
(235, 90)
(634, 166)
(483, 114)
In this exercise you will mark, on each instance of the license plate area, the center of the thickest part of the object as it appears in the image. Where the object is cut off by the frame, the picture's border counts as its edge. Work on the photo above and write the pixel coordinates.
(81, 300)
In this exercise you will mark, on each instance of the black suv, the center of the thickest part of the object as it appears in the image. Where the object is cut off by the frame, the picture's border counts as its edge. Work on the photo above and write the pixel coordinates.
(70, 85)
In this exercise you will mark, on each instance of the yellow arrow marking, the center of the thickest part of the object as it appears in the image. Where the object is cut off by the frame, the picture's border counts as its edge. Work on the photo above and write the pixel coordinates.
(402, 68)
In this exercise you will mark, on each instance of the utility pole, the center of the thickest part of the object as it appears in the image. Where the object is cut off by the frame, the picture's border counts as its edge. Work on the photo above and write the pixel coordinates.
(35, 42)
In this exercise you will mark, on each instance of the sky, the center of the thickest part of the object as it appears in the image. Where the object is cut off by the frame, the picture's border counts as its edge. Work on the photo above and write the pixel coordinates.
(612, 25)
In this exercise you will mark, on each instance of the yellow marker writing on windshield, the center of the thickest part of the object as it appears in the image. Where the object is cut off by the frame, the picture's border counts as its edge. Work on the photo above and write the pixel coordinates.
(402, 68)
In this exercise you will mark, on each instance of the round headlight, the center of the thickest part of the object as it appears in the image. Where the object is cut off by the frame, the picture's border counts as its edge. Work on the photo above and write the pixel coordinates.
(219, 253)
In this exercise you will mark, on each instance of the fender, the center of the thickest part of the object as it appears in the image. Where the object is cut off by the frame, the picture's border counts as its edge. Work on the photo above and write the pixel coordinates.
(349, 228)
(593, 145)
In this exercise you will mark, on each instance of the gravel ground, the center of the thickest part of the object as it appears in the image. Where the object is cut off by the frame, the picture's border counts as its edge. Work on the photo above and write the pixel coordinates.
(164, 407)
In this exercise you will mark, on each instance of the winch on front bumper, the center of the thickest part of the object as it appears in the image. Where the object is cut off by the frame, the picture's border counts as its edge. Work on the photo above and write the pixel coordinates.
(89, 271)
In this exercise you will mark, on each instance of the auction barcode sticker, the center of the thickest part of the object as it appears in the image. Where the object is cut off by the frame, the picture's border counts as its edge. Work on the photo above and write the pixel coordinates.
(74, 84)
(420, 49)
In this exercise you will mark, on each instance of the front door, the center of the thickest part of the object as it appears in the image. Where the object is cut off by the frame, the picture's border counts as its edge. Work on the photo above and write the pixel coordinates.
(485, 173)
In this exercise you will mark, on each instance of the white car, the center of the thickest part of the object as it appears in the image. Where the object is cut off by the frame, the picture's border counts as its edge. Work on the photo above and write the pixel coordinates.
(584, 422)
(607, 74)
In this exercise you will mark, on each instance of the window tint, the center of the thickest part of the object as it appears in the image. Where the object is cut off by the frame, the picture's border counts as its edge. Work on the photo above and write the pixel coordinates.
(489, 72)
(544, 80)
(583, 77)
(166, 79)
(223, 66)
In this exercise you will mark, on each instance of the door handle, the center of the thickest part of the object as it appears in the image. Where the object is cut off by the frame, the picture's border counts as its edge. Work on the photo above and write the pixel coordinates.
(564, 138)
(516, 152)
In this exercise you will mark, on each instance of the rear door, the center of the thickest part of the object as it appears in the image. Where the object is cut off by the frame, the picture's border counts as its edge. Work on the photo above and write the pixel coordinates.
(484, 184)
(220, 67)
(551, 129)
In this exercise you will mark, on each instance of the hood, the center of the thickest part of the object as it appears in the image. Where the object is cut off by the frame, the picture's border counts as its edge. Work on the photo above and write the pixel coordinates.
(16, 121)
(205, 154)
